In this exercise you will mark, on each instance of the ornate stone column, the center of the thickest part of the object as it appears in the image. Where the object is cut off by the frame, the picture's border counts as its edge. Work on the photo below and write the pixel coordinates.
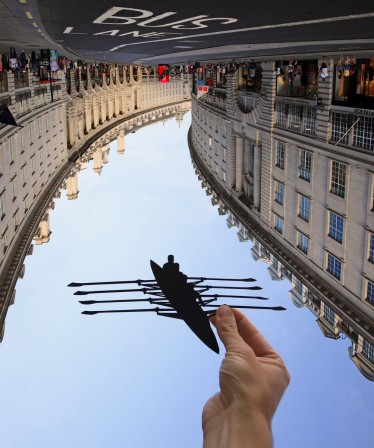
(72, 186)
(121, 142)
(257, 177)
(239, 159)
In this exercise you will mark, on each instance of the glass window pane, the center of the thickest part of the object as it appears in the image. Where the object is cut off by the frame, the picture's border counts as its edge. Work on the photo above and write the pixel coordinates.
(338, 175)
(334, 266)
(336, 226)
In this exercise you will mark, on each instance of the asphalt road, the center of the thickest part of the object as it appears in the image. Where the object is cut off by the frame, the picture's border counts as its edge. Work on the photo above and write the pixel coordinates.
(141, 31)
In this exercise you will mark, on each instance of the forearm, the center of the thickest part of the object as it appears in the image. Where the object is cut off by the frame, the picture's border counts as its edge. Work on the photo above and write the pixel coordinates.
(236, 432)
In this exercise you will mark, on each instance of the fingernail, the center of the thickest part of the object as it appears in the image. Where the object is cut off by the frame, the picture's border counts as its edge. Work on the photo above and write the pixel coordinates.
(224, 311)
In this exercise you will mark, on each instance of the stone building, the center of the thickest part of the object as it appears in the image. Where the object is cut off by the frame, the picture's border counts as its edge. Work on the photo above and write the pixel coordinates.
(64, 125)
(287, 153)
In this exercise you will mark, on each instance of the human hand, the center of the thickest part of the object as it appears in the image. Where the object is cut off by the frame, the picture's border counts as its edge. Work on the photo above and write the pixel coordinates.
(252, 380)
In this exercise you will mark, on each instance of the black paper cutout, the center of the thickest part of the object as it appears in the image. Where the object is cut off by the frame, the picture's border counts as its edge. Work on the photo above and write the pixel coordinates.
(178, 297)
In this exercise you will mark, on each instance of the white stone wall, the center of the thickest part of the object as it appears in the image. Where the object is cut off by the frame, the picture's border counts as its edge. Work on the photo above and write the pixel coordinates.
(29, 157)
(259, 126)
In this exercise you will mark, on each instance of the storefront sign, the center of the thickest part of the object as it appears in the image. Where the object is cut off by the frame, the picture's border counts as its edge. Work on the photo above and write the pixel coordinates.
(364, 112)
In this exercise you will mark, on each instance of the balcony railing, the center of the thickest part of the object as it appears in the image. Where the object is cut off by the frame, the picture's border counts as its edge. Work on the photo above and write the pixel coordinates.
(296, 117)
(21, 80)
(247, 102)
(352, 130)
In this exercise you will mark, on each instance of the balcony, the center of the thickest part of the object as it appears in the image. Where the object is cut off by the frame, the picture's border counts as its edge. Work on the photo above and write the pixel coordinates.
(352, 130)
(216, 98)
(296, 117)
(247, 101)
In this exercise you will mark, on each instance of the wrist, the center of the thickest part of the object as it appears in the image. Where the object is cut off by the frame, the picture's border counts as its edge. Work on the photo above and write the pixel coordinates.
(238, 430)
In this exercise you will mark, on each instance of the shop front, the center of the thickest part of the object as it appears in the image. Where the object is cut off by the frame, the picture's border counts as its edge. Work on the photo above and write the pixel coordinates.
(297, 78)
(354, 82)
(250, 75)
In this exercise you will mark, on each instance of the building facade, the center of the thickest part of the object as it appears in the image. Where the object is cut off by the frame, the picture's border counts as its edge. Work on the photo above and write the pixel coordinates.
(65, 124)
(286, 149)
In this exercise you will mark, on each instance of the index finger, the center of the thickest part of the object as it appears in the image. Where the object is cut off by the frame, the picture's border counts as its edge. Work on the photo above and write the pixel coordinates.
(252, 336)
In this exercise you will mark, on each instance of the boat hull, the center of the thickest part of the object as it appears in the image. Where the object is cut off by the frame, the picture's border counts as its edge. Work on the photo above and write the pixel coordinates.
(182, 298)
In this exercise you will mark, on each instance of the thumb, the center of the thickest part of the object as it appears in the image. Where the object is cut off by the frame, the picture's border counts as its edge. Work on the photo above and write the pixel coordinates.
(227, 328)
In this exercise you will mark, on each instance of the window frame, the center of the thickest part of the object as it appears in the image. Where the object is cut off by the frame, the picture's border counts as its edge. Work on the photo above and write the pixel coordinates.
(304, 172)
(329, 315)
(334, 261)
(334, 231)
(338, 181)
(279, 195)
(278, 219)
(280, 154)
(301, 236)
(371, 247)
(369, 286)
(302, 210)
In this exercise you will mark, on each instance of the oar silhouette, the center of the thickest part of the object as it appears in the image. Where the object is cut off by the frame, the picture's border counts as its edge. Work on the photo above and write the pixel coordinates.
(203, 279)
(119, 282)
(110, 291)
(234, 296)
(149, 300)
(139, 281)
(273, 308)
(252, 288)
(92, 302)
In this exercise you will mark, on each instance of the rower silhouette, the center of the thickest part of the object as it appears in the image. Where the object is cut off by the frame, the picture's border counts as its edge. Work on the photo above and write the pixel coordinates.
(174, 275)
(170, 268)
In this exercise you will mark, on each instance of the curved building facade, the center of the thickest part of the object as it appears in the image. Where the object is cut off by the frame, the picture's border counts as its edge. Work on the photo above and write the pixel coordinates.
(64, 125)
(289, 158)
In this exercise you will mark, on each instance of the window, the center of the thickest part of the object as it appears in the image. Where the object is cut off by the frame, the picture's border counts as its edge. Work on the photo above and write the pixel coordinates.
(280, 154)
(10, 151)
(5, 241)
(15, 219)
(370, 292)
(39, 127)
(279, 192)
(223, 154)
(371, 247)
(329, 315)
(340, 125)
(338, 174)
(224, 176)
(298, 284)
(295, 114)
(336, 227)
(23, 175)
(249, 157)
(279, 224)
(304, 207)
(334, 266)
(363, 135)
(305, 165)
(13, 189)
(302, 242)
(1, 208)
(281, 113)
(368, 350)
(309, 120)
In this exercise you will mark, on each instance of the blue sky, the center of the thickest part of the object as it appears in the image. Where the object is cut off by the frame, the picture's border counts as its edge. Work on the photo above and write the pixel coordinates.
(141, 380)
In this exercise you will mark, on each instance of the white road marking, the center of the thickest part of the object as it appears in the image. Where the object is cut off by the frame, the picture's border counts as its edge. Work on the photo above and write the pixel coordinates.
(258, 28)
(233, 49)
